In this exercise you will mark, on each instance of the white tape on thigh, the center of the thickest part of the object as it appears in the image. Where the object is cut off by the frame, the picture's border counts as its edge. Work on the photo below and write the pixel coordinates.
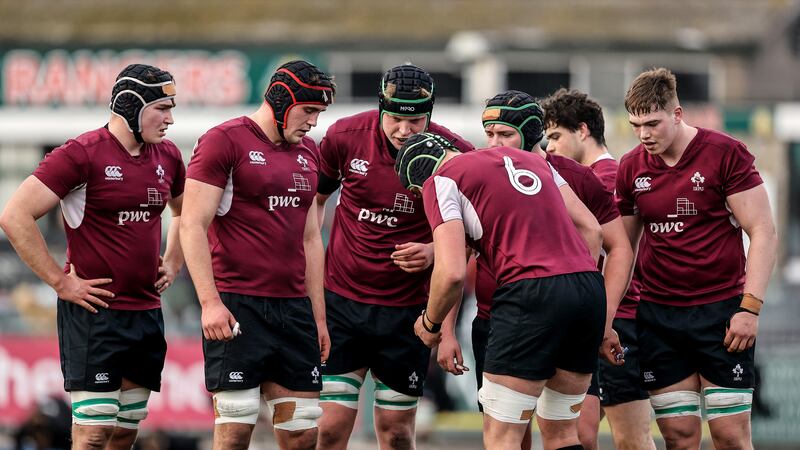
(722, 402)
(95, 408)
(388, 398)
(237, 406)
(294, 413)
(505, 404)
(132, 407)
(554, 405)
(341, 389)
(676, 404)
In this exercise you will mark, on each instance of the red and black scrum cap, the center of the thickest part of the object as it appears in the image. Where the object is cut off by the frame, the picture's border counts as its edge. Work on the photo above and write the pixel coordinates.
(297, 83)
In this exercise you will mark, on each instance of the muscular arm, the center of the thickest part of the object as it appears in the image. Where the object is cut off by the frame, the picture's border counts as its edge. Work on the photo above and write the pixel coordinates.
(173, 254)
(319, 207)
(200, 202)
(584, 221)
(30, 202)
(633, 228)
(447, 280)
(312, 245)
(618, 265)
(751, 209)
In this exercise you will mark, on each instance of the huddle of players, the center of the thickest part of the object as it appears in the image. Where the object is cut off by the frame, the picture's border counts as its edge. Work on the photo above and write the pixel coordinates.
(278, 326)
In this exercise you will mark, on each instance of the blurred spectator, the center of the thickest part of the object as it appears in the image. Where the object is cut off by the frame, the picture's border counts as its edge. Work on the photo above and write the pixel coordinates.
(47, 428)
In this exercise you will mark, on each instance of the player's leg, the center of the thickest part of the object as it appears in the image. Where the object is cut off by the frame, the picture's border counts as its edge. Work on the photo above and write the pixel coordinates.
(727, 378)
(344, 372)
(294, 416)
(480, 337)
(88, 348)
(625, 402)
(141, 366)
(399, 366)
(589, 420)
(293, 392)
(132, 410)
(339, 402)
(508, 406)
(677, 408)
(560, 405)
(234, 370)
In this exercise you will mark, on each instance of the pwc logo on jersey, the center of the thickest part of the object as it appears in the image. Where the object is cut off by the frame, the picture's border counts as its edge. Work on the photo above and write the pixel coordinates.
(683, 207)
(365, 215)
(359, 166)
(113, 173)
(282, 201)
(642, 184)
(257, 158)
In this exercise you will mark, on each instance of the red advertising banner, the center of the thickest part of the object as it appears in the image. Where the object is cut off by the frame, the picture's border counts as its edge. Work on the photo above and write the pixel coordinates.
(30, 370)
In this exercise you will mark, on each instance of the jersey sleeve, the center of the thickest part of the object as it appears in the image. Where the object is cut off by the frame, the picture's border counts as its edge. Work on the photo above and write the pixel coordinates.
(440, 197)
(623, 195)
(739, 171)
(560, 181)
(599, 200)
(330, 156)
(64, 169)
(179, 179)
(212, 159)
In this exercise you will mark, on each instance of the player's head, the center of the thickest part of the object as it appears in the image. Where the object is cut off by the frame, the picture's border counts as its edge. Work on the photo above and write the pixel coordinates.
(570, 118)
(137, 88)
(419, 157)
(298, 83)
(653, 109)
(405, 102)
(512, 119)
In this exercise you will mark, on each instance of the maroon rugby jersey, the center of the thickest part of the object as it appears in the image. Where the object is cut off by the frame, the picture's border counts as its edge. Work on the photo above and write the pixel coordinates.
(374, 213)
(588, 188)
(112, 203)
(694, 253)
(513, 213)
(256, 238)
(606, 169)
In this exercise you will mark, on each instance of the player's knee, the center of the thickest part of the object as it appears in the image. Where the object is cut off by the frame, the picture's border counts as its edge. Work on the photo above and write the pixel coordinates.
(554, 405)
(341, 389)
(303, 440)
(294, 413)
(237, 406)
(726, 402)
(401, 440)
(676, 404)
(94, 438)
(388, 398)
(505, 404)
(95, 408)
(132, 408)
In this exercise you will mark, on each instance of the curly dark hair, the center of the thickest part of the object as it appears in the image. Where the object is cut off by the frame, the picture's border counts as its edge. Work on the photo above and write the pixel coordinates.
(570, 108)
(653, 90)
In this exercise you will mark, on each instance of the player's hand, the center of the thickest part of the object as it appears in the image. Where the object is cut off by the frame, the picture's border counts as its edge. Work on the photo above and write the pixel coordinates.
(413, 256)
(324, 341)
(218, 322)
(166, 274)
(742, 331)
(429, 339)
(82, 292)
(611, 349)
(449, 355)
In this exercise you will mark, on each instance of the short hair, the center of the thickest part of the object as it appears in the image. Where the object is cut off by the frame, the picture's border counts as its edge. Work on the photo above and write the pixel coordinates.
(653, 90)
(570, 108)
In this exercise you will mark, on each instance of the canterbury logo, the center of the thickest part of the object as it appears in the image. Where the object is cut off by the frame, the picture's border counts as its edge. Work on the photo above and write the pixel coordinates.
(101, 377)
(359, 166)
(642, 183)
(113, 173)
(235, 376)
(257, 158)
